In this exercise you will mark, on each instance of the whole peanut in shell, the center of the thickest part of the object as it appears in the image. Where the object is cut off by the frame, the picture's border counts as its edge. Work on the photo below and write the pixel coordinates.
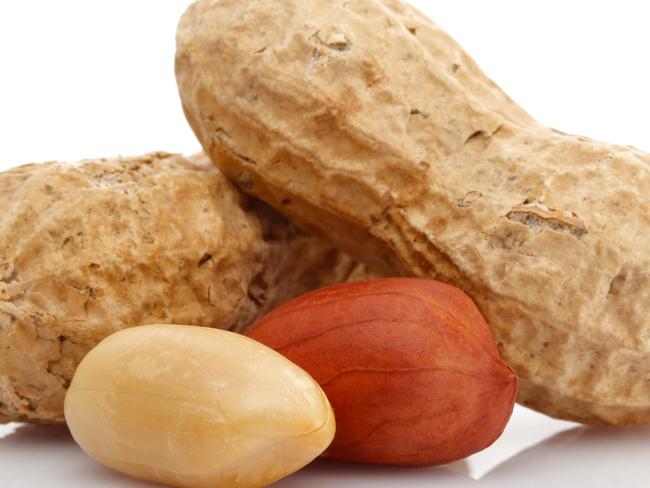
(196, 407)
(92, 247)
(365, 122)
(408, 365)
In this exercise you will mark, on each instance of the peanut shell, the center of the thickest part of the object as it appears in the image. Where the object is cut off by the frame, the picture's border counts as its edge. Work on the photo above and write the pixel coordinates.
(89, 248)
(365, 122)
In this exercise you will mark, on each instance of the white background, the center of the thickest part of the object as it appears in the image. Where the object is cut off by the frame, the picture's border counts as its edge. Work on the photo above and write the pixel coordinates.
(92, 78)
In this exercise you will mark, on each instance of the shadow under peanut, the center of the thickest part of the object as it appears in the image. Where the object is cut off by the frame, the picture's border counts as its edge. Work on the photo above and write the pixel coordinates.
(582, 456)
(36, 455)
(328, 474)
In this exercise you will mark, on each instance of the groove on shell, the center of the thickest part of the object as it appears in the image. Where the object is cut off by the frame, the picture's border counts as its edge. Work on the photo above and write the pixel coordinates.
(539, 216)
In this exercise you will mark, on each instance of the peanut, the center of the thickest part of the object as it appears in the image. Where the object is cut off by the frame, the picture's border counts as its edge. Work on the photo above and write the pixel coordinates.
(90, 248)
(409, 366)
(196, 407)
(385, 136)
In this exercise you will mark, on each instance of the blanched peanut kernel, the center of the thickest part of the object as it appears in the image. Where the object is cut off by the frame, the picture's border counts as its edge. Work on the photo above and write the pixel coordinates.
(196, 407)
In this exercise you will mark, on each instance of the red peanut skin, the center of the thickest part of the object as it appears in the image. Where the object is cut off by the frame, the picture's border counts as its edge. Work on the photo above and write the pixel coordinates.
(409, 366)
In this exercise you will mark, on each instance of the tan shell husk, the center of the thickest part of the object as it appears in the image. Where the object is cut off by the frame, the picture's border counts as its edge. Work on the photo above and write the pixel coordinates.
(93, 247)
(365, 122)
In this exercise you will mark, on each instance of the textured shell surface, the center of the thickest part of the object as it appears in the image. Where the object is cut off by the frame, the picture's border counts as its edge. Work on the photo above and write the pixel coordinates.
(92, 247)
(365, 122)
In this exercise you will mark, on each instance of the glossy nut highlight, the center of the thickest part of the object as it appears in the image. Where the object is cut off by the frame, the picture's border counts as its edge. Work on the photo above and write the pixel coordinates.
(196, 407)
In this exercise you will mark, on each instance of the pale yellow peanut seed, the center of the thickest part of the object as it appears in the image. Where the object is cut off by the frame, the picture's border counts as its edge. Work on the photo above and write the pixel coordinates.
(196, 407)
